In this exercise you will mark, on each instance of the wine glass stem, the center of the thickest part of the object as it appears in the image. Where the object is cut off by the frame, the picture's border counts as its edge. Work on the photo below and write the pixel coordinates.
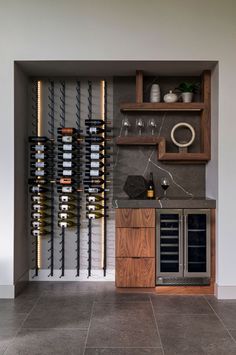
(165, 193)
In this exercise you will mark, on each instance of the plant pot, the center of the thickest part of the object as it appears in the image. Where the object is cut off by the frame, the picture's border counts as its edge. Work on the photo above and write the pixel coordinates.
(187, 96)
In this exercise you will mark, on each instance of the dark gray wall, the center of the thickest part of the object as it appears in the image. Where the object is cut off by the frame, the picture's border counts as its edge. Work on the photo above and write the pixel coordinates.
(185, 180)
(21, 103)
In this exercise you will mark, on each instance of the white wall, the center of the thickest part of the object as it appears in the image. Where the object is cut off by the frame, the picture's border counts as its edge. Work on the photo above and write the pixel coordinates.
(128, 30)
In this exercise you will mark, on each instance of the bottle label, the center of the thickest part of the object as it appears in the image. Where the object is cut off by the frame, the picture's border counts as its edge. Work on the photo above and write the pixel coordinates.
(39, 172)
(94, 172)
(39, 156)
(63, 224)
(94, 155)
(150, 193)
(64, 207)
(66, 188)
(91, 216)
(91, 198)
(93, 130)
(36, 233)
(35, 189)
(94, 147)
(67, 172)
(67, 155)
(93, 190)
(36, 215)
(39, 148)
(91, 207)
(67, 164)
(63, 215)
(39, 164)
(36, 198)
(67, 139)
(94, 164)
(64, 198)
(67, 147)
(36, 224)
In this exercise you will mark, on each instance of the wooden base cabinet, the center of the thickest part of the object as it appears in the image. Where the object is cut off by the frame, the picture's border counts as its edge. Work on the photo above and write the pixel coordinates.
(135, 247)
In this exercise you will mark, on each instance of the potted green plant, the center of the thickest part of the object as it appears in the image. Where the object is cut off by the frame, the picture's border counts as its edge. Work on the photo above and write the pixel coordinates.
(187, 89)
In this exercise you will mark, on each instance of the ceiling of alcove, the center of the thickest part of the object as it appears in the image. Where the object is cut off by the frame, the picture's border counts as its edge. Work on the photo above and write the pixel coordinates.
(114, 68)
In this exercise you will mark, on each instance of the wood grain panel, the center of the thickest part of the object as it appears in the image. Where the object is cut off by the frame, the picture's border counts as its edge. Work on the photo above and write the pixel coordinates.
(139, 242)
(135, 217)
(135, 272)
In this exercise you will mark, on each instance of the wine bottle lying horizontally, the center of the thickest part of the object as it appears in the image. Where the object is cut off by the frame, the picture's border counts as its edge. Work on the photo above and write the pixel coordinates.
(96, 123)
(95, 215)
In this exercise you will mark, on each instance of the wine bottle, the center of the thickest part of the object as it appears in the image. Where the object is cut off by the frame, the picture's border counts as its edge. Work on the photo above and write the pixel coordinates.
(96, 148)
(66, 181)
(93, 181)
(151, 188)
(66, 215)
(38, 189)
(66, 224)
(40, 206)
(39, 198)
(67, 207)
(95, 198)
(41, 156)
(39, 224)
(41, 147)
(97, 156)
(96, 130)
(95, 207)
(94, 172)
(40, 139)
(96, 139)
(67, 156)
(41, 164)
(38, 232)
(66, 164)
(41, 172)
(67, 131)
(96, 164)
(95, 190)
(95, 215)
(66, 198)
(96, 122)
(39, 215)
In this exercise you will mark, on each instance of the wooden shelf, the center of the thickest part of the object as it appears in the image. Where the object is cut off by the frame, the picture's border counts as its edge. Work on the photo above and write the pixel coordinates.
(162, 155)
(161, 106)
(203, 107)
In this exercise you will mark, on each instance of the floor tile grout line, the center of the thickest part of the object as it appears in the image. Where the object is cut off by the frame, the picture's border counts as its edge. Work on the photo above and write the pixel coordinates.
(19, 329)
(90, 321)
(221, 320)
(157, 328)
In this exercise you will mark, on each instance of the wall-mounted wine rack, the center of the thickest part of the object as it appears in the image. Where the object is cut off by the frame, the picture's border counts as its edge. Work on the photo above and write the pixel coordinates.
(77, 164)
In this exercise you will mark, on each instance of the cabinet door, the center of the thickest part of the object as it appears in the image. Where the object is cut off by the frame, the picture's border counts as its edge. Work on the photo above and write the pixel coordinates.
(169, 243)
(197, 243)
(135, 217)
(135, 242)
(135, 272)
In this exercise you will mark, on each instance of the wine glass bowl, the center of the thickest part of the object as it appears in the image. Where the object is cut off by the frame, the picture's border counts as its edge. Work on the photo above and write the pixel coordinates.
(140, 125)
(165, 184)
(126, 125)
(152, 125)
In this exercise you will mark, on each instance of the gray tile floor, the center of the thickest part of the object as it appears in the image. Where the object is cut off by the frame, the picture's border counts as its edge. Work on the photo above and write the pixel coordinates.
(87, 318)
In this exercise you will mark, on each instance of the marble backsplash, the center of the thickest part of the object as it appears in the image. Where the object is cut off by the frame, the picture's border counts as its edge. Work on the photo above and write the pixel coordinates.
(185, 180)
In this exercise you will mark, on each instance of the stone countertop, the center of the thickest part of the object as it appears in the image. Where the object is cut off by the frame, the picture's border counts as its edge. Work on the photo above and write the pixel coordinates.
(177, 202)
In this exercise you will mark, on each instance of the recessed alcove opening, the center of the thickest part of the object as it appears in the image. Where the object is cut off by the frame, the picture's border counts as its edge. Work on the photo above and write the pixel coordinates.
(198, 180)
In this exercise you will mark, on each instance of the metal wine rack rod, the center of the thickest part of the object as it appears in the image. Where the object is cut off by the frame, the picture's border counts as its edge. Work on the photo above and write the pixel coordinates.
(78, 119)
(51, 132)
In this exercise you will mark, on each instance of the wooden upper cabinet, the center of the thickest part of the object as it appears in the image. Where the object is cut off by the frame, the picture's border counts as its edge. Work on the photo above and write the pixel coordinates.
(135, 217)
(135, 242)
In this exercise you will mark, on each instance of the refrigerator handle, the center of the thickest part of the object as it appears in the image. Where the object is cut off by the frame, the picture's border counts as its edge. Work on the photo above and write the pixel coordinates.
(185, 236)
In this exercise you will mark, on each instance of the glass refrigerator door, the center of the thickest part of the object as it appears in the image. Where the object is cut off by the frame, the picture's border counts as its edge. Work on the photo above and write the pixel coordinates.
(169, 243)
(197, 243)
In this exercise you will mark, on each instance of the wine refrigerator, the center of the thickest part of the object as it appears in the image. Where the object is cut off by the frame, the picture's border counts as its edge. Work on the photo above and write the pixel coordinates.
(183, 247)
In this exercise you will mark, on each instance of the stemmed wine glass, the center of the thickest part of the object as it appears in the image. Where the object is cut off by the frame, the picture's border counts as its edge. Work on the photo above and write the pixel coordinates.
(140, 125)
(126, 124)
(165, 184)
(152, 125)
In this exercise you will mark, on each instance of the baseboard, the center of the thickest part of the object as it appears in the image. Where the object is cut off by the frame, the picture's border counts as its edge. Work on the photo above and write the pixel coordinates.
(7, 291)
(225, 292)
(70, 275)
(21, 283)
